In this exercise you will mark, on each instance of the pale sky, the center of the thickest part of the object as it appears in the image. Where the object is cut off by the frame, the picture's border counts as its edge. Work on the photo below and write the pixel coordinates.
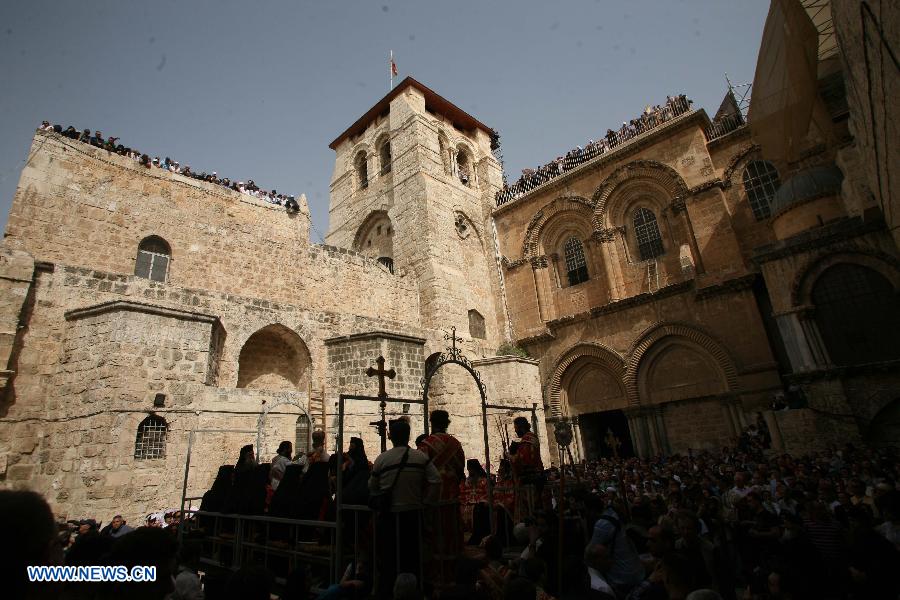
(257, 90)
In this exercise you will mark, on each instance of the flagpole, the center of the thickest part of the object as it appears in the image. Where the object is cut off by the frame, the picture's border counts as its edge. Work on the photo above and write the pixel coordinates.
(391, 70)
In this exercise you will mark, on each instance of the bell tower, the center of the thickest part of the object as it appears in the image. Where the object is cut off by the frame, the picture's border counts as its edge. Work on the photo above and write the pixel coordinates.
(413, 187)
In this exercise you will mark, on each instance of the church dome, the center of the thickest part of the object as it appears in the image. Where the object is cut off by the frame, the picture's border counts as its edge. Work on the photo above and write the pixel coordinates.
(806, 185)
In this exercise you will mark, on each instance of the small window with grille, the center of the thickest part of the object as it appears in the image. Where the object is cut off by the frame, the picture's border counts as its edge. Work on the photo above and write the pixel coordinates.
(150, 442)
(856, 309)
(464, 166)
(761, 182)
(153, 259)
(646, 232)
(576, 266)
(302, 434)
(387, 262)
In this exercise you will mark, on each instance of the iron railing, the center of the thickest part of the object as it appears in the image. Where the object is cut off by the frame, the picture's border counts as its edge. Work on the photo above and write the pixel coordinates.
(647, 121)
(724, 125)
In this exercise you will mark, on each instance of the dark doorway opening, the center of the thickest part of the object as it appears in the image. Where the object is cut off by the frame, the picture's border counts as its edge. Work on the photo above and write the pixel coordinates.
(595, 430)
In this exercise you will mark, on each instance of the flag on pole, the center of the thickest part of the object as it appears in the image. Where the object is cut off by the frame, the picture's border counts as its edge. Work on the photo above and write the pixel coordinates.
(393, 65)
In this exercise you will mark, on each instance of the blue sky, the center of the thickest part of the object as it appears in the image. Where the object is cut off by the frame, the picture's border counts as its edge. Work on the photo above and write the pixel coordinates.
(258, 89)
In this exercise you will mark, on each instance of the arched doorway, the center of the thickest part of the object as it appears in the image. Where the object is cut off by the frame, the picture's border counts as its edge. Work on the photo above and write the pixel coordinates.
(856, 309)
(682, 379)
(594, 394)
(285, 419)
(884, 429)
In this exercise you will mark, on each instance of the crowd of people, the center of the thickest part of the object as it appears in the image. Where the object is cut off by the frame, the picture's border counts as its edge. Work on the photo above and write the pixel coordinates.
(741, 522)
(652, 116)
(111, 144)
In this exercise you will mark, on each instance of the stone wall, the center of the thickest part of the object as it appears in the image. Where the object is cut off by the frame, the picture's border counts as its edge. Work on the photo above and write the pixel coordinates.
(441, 232)
(596, 199)
(90, 364)
(349, 357)
(85, 207)
(866, 39)
(16, 272)
(515, 382)
(696, 424)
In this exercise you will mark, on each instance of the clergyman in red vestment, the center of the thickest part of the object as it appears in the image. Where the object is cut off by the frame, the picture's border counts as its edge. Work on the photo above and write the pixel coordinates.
(447, 455)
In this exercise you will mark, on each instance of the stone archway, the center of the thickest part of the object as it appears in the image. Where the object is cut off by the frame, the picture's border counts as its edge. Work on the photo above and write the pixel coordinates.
(682, 385)
(591, 392)
(884, 428)
(561, 205)
(691, 338)
(262, 438)
(597, 354)
(375, 238)
(274, 358)
(660, 175)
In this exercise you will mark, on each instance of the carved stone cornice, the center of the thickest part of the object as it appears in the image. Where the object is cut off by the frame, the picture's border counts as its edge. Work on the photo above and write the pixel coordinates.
(729, 286)
(536, 338)
(606, 235)
(837, 235)
(539, 262)
(513, 264)
(739, 156)
(707, 185)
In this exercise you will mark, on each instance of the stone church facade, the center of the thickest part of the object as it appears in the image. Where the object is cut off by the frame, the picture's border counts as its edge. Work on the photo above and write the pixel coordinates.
(667, 290)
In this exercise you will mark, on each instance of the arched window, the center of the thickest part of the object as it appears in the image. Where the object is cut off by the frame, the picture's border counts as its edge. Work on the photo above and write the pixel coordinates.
(387, 262)
(464, 166)
(151, 438)
(153, 259)
(576, 266)
(858, 314)
(476, 325)
(761, 182)
(646, 232)
(301, 437)
(384, 154)
(362, 169)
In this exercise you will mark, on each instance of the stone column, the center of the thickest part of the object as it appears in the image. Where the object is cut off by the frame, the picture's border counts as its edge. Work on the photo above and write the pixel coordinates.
(774, 430)
(542, 285)
(614, 261)
(741, 417)
(734, 416)
(661, 430)
(653, 432)
(814, 337)
(729, 418)
(637, 429)
(579, 444)
(678, 207)
(802, 340)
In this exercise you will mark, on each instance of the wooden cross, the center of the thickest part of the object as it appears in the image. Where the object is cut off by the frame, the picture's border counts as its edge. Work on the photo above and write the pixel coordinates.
(381, 374)
(613, 442)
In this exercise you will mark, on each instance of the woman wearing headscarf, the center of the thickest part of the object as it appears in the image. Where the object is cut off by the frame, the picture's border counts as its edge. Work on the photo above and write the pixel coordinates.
(246, 460)
(215, 498)
(356, 474)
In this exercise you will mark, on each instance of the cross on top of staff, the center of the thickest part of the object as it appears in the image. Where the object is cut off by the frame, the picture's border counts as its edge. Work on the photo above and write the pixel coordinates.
(381, 374)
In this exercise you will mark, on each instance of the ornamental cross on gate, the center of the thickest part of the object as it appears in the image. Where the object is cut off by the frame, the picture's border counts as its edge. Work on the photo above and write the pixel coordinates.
(381, 373)
(451, 337)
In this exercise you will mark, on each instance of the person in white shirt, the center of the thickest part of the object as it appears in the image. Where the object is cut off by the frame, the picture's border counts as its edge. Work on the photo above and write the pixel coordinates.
(280, 462)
